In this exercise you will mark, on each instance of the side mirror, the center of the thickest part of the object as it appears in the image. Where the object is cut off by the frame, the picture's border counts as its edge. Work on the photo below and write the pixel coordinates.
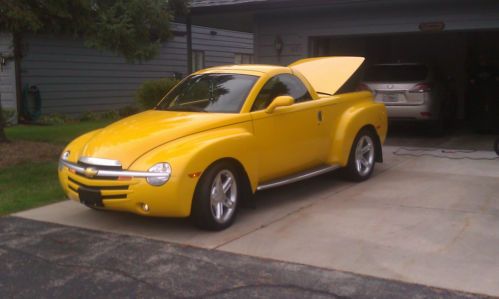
(280, 101)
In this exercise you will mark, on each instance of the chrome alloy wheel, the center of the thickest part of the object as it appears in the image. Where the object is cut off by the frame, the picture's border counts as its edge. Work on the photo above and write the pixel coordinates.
(223, 196)
(364, 155)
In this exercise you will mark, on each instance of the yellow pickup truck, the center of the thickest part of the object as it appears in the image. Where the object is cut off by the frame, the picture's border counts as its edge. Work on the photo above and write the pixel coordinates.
(224, 133)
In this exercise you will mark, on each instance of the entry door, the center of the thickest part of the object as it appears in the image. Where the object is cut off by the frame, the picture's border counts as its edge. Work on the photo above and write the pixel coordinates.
(289, 139)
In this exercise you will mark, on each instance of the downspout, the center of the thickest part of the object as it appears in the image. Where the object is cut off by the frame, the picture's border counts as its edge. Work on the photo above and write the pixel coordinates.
(17, 71)
(188, 26)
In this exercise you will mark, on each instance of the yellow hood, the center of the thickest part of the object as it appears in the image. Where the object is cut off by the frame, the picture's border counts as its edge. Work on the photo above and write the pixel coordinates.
(128, 139)
(327, 74)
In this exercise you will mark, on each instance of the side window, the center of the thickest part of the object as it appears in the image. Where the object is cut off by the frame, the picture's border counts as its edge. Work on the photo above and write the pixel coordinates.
(281, 85)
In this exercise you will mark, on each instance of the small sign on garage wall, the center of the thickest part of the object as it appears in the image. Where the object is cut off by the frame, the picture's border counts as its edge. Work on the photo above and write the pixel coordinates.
(432, 26)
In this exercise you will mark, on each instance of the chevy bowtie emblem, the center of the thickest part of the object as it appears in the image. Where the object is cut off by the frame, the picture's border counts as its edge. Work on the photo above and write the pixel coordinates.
(90, 172)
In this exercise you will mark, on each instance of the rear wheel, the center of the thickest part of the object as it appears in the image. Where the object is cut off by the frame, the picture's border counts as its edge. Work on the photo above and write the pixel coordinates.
(362, 157)
(216, 198)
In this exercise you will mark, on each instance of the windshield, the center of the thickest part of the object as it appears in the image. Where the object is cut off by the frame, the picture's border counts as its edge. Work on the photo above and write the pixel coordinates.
(219, 93)
(396, 73)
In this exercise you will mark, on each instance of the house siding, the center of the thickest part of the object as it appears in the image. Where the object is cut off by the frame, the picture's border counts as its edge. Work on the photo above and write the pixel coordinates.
(73, 79)
(296, 28)
(7, 74)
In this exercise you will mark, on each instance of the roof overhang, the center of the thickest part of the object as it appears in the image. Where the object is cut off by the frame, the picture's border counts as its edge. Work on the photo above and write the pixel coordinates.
(239, 14)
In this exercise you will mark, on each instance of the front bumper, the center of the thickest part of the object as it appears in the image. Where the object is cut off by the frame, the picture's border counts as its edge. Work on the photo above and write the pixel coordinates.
(127, 191)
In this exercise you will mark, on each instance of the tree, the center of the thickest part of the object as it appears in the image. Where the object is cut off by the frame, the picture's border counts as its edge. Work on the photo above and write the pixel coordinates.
(133, 29)
(3, 138)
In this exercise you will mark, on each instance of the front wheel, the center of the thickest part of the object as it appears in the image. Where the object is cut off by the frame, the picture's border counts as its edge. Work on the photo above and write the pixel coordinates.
(216, 198)
(362, 157)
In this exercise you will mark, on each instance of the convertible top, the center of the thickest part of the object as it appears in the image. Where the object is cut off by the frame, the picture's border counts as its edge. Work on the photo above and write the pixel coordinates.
(327, 74)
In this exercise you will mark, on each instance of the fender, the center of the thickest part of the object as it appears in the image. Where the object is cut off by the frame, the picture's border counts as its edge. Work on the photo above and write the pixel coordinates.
(77, 145)
(190, 156)
(353, 119)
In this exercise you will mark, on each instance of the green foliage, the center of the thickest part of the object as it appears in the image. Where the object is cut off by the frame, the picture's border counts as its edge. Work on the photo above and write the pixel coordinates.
(110, 115)
(8, 116)
(52, 119)
(128, 110)
(131, 28)
(152, 91)
(90, 116)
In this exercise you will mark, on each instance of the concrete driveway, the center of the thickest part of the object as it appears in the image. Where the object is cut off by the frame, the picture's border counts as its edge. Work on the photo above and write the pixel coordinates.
(427, 217)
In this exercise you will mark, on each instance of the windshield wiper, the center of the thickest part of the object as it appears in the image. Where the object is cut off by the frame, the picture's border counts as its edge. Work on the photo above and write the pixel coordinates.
(325, 93)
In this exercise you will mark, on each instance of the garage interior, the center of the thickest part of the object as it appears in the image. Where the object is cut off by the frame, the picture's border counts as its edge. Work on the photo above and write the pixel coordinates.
(458, 57)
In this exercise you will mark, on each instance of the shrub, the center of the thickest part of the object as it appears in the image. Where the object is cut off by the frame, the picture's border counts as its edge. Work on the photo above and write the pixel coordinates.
(9, 116)
(128, 110)
(52, 119)
(152, 91)
(111, 115)
(90, 116)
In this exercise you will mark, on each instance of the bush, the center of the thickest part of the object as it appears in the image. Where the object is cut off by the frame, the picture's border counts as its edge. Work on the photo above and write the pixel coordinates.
(90, 116)
(111, 115)
(9, 116)
(152, 91)
(52, 119)
(128, 110)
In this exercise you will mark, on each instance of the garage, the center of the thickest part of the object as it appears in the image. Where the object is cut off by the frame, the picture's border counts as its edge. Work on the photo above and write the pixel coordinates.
(464, 62)
(458, 39)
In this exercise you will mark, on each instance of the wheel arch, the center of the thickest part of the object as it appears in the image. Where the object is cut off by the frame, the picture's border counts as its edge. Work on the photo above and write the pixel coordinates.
(242, 172)
(378, 148)
(356, 118)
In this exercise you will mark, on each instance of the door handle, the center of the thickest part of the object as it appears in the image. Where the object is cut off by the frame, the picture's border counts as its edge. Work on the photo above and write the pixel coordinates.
(319, 116)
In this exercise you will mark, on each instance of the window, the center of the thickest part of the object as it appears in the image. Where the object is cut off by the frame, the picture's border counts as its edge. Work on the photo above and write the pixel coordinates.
(281, 85)
(396, 73)
(218, 93)
(243, 58)
(197, 60)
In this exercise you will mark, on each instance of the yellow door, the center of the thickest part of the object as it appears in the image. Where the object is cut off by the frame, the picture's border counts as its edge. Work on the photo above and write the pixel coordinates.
(289, 139)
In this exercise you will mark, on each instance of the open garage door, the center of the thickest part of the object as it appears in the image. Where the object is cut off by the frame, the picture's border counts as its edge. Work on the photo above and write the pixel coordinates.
(467, 64)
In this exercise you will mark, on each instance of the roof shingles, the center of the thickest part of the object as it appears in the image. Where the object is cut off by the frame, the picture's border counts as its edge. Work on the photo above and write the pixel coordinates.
(206, 3)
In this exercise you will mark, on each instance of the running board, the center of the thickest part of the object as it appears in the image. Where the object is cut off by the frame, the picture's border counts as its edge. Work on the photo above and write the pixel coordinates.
(297, 177)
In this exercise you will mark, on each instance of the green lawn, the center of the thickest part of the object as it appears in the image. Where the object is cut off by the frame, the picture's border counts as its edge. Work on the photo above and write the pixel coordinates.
(28, 185)
(60, 134)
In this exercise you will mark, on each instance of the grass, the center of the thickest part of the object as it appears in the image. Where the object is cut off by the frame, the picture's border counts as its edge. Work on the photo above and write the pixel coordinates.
(28, 185)
(58, 134)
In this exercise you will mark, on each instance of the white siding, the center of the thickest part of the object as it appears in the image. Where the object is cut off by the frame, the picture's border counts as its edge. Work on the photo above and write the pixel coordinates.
(7, 74)
(75, 79)
(296, 27)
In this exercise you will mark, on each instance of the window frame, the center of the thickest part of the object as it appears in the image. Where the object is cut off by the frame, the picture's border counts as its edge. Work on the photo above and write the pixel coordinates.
(311, 98)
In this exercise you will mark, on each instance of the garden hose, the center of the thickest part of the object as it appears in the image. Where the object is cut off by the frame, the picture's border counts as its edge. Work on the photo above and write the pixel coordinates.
(31, 104)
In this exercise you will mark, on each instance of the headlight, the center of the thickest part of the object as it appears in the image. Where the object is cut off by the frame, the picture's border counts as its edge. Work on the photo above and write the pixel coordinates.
(65, 155)
(163, 168)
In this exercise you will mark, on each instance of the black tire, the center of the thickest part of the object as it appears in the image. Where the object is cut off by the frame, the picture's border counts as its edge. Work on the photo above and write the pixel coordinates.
(496, 146)
(95, 208)
(352, 171)
(203, 212)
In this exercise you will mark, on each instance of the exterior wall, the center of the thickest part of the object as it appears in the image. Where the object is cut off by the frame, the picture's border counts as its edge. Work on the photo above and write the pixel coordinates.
(7, 74)
(296, 27)
(74, 79)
